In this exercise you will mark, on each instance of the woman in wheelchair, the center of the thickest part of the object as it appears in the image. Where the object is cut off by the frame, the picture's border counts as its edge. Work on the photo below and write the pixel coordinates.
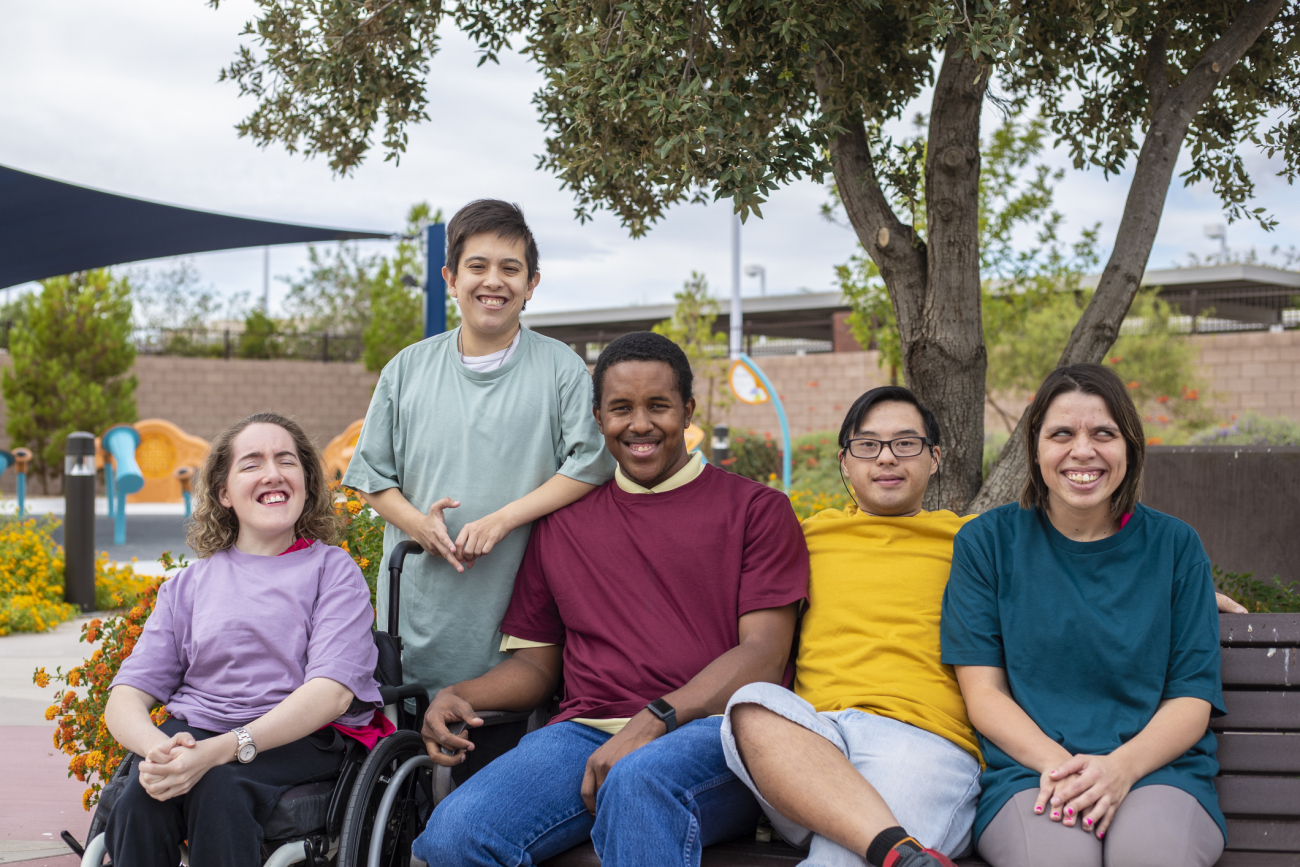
(261, 653)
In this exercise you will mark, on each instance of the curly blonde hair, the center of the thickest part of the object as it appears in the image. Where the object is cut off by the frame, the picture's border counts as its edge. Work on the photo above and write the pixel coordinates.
(215, 527)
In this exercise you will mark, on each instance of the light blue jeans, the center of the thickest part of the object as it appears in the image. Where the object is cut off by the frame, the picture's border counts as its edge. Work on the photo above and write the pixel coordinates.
(930, 784)
(660, 805)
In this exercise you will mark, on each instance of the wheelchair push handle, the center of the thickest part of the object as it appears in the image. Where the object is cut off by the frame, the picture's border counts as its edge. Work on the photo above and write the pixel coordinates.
(395, 579)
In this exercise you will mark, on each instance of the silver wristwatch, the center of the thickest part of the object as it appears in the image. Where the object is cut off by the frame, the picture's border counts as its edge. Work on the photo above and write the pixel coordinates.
(245, 750)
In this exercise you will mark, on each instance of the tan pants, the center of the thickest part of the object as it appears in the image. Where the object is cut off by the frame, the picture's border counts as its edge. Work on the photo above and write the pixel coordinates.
(1156, 826)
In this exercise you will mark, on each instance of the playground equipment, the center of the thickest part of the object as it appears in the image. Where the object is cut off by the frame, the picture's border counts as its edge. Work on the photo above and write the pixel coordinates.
(185, 475)
(21, 459)
(164, 448)
(120, 443)
(750, 384)
(339, 451)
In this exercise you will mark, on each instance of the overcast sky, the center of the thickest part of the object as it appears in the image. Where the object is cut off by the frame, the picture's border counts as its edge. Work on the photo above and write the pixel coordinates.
(123, 97)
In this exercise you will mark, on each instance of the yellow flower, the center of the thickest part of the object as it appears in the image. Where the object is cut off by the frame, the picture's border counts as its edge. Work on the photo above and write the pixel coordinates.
(85, 799)
(40, 678)
(363, 562)
(355, 506)
(51, 712)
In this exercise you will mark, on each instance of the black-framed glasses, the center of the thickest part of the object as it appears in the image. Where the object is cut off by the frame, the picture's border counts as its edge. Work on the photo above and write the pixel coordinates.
(902, 447)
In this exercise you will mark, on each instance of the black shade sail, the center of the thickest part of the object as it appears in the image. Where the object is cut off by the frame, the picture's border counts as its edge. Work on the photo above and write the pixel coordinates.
(49, 227)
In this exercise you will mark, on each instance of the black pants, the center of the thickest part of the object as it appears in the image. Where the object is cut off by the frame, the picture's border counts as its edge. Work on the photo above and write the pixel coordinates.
(222, 815)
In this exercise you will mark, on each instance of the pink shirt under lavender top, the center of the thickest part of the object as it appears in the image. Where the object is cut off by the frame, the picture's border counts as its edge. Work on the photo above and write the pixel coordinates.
(265, 626)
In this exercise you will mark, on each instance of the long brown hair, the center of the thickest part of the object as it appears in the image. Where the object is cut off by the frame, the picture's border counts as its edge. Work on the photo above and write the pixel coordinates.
(1105, 384)
(215, 527)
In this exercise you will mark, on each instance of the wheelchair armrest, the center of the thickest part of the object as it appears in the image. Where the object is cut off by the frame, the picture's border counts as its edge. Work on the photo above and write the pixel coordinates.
(502, 717)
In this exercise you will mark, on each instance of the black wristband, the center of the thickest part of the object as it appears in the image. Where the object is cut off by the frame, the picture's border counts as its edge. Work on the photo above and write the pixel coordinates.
(665, 712)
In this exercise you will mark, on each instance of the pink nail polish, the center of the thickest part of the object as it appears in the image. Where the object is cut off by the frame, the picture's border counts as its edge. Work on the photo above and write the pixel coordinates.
(1069, 811)
(1038, 809)
(1088, 822)
(1056, 815)
(1102, 834)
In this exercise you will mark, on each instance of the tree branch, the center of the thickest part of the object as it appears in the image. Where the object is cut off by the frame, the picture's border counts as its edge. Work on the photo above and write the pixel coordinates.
(1097, 329)
(1157, 75)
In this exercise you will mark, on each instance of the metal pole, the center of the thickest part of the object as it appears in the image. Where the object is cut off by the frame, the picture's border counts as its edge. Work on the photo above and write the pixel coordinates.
(435, 288)
(737, 315)
(266, 280)
(79, 520)
(21, 457)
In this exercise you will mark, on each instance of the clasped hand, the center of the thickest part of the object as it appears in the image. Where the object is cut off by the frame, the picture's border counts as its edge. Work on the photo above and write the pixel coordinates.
(446, 711)
(174, 766)
(1084, 788)
(474, 540)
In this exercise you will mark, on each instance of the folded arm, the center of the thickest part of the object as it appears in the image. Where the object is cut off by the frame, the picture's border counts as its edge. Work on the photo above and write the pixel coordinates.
(172, 765)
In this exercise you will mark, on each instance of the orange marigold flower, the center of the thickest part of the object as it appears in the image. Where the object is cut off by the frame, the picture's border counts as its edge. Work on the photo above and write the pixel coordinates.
(355, 506)
(51, 712)
(363, 562)
(133, 631)
(40, 678)
(1116, 359)
(85, 799)
(1133, 384)
(1163, 419)
(344, 545)
(1191, 394)
(101, 671)
(1164, 398)
(1153, 441)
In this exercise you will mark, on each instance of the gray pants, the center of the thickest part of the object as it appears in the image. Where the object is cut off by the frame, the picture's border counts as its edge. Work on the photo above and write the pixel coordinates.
(1156, 826)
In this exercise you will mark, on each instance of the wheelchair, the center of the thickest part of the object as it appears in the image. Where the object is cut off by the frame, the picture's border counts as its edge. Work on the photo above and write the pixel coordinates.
(381, 799)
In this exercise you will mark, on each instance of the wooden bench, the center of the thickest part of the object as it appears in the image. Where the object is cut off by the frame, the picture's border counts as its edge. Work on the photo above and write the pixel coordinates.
(1259, 756)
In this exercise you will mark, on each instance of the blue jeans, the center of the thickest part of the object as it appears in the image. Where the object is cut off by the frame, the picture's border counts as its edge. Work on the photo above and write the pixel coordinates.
(660, 805)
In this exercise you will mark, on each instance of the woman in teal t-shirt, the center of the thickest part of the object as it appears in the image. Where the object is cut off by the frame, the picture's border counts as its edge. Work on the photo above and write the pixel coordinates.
(1084, 630)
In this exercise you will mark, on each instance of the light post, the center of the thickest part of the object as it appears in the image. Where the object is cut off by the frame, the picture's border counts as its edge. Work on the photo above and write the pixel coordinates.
(737, 315)
(79, 520)
(761, 273)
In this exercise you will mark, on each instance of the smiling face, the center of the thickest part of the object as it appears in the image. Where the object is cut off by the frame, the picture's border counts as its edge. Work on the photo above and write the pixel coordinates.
(490, 286)
(265, 487)
(887, 485)
(644, 420)
(1081, 453)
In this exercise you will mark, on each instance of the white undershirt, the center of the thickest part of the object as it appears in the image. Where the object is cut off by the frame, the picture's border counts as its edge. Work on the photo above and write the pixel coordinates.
(484, 363)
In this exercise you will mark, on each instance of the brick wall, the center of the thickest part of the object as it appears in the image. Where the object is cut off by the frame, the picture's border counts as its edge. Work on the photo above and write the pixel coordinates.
(203, 395)
(1257, 370)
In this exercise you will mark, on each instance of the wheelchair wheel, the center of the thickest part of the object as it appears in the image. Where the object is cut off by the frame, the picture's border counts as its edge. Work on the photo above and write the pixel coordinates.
(108, 797)
(414, 802)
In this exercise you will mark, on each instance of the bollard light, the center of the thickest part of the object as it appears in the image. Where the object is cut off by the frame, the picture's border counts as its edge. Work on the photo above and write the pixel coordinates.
(721, 444)
(79, 520)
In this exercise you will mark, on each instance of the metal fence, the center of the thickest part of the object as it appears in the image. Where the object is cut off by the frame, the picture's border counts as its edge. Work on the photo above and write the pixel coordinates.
(225, 343)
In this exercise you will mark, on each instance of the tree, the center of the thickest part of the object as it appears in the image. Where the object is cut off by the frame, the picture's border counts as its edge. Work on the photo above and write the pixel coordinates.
(653, 102)
(396, 302)
(378, 296)
(691, 328)
(72, 358)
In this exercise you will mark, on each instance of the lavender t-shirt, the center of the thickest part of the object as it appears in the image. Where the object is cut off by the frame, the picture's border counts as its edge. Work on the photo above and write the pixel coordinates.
(232, 635)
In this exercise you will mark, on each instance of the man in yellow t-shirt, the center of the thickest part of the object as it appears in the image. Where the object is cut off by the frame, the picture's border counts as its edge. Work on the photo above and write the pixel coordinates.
(874, 739)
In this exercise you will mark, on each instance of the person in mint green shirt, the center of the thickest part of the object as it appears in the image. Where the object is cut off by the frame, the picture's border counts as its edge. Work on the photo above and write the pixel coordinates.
(470, 437)
(1084, 633)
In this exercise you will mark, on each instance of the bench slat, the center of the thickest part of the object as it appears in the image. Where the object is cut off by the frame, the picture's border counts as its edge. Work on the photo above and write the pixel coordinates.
(1268, 630)
(1253, 711)
(1262, 752)
(1259, 859)
(1261, 666)
(1266, 835)
(1259, 796)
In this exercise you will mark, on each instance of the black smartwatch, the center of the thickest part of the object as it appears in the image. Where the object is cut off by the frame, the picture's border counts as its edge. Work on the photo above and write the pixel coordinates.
(666, 712)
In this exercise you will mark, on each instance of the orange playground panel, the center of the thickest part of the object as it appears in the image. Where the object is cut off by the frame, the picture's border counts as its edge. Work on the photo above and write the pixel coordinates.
(164, 448)
(339, 451)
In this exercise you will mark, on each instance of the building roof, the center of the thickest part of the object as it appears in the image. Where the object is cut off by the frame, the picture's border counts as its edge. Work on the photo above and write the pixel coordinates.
(809, 315)
(50, 227)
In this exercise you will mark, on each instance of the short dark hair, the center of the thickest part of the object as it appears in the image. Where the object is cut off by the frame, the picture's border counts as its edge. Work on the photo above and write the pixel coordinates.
(489, 215)
(643, 346)
(884, 394)
(1105, 384)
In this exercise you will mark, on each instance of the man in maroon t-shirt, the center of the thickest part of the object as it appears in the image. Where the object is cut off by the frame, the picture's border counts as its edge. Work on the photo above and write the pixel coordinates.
(660, 594)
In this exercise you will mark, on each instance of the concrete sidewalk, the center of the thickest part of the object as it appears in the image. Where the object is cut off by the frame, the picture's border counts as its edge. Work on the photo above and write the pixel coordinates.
(37, 799)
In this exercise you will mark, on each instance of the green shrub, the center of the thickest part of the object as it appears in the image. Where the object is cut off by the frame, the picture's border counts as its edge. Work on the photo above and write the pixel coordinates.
(1264, 597)
(1251, 429)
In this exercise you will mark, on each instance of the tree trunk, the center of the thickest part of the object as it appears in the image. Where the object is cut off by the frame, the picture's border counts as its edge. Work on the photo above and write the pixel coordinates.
(934, 286)
(944, 359)
(1174, 111)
